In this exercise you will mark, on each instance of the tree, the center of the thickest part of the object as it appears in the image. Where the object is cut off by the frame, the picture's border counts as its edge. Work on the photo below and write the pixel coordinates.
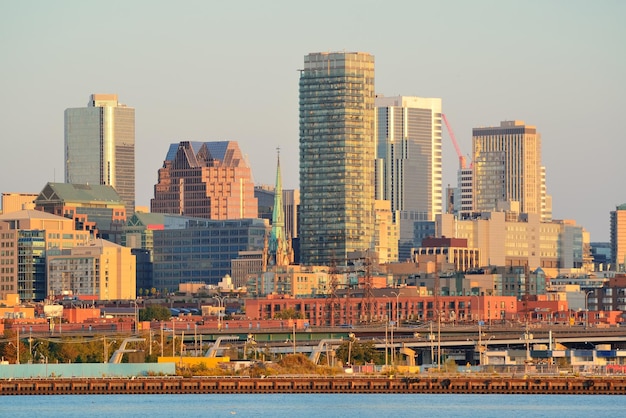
(361, 353)
(157, 312)
(289, 313)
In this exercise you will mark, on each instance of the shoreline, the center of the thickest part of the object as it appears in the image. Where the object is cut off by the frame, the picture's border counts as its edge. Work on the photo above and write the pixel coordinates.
(532, 385)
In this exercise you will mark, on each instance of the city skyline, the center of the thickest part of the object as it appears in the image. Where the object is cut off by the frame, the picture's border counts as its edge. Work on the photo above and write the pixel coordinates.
(229, 72)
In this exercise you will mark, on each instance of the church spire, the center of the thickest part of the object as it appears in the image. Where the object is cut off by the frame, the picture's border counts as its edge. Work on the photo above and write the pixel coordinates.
(279, 249)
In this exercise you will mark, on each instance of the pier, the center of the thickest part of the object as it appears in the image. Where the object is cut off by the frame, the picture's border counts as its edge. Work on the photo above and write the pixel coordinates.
(316, 384)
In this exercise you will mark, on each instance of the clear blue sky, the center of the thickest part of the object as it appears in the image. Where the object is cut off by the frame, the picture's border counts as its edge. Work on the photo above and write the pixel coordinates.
(209, 71)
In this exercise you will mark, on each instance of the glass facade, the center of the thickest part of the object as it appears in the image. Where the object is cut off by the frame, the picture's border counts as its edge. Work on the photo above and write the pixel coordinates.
(31, 265)
(202, 251)
(408, 133)
(100, 146)
(336, 156)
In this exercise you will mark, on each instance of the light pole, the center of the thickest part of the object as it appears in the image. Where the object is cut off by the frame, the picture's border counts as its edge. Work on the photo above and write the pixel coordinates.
(106, 348)
(587, 293)
(136, 315)
(351, 336)
(220, 305)
(397, 295)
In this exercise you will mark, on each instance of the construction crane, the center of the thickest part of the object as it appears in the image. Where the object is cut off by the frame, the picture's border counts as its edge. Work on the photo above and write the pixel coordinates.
(462, 163)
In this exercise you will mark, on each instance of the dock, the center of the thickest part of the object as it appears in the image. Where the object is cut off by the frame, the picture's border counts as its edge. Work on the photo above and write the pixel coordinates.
(316, 384)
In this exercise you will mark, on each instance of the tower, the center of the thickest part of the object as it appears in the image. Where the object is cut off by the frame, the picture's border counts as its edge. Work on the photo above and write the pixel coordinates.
(336, 156)
(100, 146)
(507, 168)
(408, 159)
(280, 251)
(209, 180)
(618, 238)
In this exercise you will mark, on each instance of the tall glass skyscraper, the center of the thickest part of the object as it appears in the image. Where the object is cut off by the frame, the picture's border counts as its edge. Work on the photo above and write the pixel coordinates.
(100, 146)
(336, 156)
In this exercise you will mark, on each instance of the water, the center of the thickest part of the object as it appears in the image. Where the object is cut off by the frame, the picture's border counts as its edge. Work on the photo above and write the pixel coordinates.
(314, 405)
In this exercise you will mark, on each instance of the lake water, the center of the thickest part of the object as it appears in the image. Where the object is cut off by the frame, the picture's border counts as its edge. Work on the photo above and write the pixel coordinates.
(314, 405)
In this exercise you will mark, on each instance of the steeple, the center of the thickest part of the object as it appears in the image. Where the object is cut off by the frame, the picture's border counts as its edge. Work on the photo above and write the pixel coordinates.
(280, 252)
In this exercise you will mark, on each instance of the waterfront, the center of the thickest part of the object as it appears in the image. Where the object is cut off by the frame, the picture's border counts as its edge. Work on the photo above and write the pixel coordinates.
(312, 405)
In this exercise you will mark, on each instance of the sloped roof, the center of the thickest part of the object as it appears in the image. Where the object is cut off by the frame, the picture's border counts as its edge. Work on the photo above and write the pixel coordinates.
(29, 214)
(83, 193)
(217, 149)
(148, 218)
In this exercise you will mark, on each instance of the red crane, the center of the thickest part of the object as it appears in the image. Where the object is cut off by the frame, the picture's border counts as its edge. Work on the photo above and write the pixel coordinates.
(462, 164)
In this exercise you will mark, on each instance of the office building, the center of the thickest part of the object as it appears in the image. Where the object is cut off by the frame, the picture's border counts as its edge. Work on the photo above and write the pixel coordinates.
(100, 146)
(408, 155)
(521, 241)
(210, 180)
(618, 238)
(96, 208)
(12, 202)
(507, 168)
(100, 268)
(201, 250)
(408, 161)
(26, 236)
(336, 156)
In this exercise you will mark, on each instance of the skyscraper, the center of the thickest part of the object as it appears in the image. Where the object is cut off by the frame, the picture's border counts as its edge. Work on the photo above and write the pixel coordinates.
(336, 156)
(100, 146)
(507, 168)
(208, 180)
(408, 159)
(618, 238)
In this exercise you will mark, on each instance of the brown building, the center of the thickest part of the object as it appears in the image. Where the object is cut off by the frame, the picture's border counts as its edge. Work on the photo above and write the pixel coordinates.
(394, 304)
(209, 180)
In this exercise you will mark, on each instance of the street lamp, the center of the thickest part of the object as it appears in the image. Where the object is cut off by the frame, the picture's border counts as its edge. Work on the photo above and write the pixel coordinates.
(106, 348)
(587, 293)
(397, 309)
(351, 336)
(136, 315)
(220, 305)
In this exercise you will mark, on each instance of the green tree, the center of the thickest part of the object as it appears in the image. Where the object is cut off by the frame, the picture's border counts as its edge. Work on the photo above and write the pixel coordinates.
(154, 312)
(289, 313)
(360, 353)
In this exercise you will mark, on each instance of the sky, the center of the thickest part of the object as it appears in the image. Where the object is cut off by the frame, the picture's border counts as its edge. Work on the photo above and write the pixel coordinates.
(228, 70)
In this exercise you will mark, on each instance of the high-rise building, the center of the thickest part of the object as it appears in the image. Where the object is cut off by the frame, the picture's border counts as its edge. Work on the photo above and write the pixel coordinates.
(100, 146)
(336, 156)
(507, 168)
(618, 238)
(408, 154)
(408, 160)
(210, 180)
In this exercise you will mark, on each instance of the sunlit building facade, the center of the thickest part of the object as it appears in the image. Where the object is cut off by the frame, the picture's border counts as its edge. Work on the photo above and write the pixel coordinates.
(336, 156)
(100, 268)
(100, 146)
(26, 237)
(209, 180)
(507, 168)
